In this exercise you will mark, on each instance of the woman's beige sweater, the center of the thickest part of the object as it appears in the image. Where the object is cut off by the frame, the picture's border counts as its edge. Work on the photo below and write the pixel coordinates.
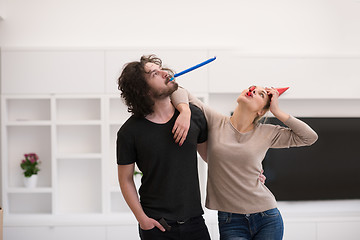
(235, 159)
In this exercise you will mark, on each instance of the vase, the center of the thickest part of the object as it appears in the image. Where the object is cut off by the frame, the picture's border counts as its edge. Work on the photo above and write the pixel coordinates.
(30, 182)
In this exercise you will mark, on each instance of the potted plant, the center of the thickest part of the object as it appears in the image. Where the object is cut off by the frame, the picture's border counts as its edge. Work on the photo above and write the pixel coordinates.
(137, 177)
(30, 166)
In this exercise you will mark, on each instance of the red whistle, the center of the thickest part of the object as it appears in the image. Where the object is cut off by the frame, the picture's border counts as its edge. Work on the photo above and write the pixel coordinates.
(280, 90)
(250, 90)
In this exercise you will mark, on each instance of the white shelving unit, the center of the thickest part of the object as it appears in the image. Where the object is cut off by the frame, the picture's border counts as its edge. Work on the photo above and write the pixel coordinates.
(75, 138)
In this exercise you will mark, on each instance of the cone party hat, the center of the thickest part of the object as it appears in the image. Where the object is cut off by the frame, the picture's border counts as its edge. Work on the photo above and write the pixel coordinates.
(281, 90)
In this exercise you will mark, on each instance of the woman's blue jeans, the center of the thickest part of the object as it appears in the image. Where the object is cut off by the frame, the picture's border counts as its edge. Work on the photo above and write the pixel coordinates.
(266, 225)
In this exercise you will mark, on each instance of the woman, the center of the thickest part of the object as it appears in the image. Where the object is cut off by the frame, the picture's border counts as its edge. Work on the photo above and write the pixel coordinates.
(235, 150)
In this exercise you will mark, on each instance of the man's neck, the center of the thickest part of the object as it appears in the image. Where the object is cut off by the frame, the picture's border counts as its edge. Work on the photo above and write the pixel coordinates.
(163, 111)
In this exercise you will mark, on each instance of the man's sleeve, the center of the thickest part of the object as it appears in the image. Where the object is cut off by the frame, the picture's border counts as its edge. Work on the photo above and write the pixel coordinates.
(125, 148)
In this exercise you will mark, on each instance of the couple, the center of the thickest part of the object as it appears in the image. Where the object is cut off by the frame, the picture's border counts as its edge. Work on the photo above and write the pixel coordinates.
(163, 141)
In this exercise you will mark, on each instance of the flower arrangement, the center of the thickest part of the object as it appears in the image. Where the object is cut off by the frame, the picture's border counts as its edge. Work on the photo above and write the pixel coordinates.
(30, 164)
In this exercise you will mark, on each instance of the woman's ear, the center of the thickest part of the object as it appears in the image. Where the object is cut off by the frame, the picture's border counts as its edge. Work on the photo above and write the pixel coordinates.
(261, 112)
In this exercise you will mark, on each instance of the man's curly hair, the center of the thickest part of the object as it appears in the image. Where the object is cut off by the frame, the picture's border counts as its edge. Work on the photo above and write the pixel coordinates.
(133, 86)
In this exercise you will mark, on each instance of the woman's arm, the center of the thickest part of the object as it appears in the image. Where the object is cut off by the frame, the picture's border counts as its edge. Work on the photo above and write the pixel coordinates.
(298, 133)
(182, 123)
(180, 99)
(274, 105)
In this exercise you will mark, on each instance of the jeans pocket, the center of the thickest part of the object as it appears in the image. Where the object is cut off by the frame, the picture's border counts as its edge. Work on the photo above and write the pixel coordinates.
(224, 218)
(271, 213)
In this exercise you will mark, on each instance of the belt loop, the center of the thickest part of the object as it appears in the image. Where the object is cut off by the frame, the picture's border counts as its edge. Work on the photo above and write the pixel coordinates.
(228, 220)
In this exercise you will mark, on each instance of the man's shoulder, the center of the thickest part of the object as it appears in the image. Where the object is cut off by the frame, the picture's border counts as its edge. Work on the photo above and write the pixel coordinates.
(197, 116)
(195, 110)
(130, 125)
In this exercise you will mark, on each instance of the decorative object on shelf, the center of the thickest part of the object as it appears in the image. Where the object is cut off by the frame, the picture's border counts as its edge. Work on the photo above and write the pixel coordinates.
(137, 178)
(30, 167)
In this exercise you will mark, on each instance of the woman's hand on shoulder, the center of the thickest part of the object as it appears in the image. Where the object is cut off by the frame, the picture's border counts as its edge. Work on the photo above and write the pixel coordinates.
(182, 123)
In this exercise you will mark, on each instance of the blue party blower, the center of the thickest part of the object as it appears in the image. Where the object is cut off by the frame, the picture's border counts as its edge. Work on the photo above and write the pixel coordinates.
(193, 68)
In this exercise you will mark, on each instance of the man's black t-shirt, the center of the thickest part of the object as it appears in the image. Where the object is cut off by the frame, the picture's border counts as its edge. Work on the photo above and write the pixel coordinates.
(170, 183)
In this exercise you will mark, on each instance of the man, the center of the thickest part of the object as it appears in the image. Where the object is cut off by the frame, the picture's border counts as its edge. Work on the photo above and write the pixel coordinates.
(169, 206)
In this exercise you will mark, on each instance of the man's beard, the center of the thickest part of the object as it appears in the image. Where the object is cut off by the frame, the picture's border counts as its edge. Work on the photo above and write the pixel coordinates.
(164, 93)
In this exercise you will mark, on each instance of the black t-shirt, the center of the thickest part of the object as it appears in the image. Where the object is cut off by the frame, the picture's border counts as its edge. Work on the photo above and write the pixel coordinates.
(170, 183)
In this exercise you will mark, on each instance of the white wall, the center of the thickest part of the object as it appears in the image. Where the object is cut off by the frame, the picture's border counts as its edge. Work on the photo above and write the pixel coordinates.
(257, 26)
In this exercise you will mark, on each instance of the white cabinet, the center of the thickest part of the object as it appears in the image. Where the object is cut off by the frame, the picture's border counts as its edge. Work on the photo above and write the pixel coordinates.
(309, 77)
(55, 233)
(52, 71)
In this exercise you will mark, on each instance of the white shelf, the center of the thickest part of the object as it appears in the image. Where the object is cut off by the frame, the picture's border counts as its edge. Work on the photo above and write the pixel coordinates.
(27, 139)
(28, 123)
(22, 110)
(78, 109)
(79, 122)
(25, 203)
(79, 156)
(79, 186)
(78, 139)
(118, 111)
(30, 190)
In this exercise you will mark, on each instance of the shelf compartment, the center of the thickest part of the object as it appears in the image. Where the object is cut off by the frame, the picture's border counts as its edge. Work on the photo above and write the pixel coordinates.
(112, 176)
(118, 203)
(78, 186)
(30, 190)
(78, 109)
(76, 139)
(30, 203)
(28, 139)
(118, 111)
(23, 110)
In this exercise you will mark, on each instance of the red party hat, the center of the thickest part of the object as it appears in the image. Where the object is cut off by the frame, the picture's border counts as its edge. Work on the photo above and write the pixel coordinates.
(281, 90)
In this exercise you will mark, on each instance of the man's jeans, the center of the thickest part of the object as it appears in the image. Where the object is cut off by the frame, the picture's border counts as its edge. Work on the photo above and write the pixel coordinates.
(266, 225)
(192, 229)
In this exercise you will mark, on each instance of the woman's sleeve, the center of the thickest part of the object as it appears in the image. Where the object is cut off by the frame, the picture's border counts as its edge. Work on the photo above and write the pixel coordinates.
(181, 95)
(297, 134)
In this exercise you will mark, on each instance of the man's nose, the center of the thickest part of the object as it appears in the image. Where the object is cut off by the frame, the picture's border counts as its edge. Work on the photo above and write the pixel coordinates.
(164, 73)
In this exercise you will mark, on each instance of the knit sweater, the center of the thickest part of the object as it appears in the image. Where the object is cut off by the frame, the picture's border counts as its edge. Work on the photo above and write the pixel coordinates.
(235, 158)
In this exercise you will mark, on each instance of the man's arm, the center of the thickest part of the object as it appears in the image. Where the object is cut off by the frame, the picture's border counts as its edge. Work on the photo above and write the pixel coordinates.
(128, 189)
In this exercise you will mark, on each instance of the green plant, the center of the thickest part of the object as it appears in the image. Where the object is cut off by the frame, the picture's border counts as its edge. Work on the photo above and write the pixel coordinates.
(30, 164)
(138, 173)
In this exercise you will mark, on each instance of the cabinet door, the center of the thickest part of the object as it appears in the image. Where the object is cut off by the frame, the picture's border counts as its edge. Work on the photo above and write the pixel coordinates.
(128, 232)
(50, 71)
(307, 77)
(339, 229)
(177, 60)
(56, 233)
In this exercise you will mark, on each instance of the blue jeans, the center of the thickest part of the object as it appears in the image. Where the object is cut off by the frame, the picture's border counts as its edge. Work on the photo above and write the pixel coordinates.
(266, 225)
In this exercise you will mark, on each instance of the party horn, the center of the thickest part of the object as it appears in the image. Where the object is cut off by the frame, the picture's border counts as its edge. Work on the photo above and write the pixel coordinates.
(192, 68)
